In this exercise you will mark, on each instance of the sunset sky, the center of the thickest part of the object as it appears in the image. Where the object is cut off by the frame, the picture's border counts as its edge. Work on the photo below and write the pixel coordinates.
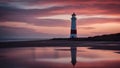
(52, 18)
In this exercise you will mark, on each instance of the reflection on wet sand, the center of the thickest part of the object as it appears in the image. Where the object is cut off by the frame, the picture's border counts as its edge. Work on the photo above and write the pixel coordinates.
(73, 55)
(58, 57)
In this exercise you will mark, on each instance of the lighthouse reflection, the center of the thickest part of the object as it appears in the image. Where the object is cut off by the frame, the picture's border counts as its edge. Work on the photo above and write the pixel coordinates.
(58, 57)
(73, 55)
(72, 50)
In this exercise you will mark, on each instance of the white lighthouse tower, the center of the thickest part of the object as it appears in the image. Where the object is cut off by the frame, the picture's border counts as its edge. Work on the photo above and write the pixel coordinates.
(73, 26)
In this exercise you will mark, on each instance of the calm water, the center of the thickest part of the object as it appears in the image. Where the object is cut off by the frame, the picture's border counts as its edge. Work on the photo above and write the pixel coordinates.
(58, 57)
(20, 39)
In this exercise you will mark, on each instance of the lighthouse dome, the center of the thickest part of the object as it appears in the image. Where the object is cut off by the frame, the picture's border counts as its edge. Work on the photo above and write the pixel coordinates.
(73, 14)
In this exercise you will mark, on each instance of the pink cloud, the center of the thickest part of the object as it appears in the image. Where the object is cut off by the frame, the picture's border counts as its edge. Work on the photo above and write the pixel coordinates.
(21, 13)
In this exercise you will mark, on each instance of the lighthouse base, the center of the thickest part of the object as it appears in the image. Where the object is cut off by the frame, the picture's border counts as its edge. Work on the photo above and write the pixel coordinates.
(73, 36)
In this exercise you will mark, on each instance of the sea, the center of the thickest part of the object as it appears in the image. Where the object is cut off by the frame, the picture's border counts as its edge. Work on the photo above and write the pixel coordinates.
(22, 39)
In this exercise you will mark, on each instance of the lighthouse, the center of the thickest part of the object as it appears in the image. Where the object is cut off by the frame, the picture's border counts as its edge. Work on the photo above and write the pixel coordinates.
(73, 26)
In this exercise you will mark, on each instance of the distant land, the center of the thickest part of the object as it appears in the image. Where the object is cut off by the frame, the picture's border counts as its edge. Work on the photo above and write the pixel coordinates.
(96, 42)
(107, 37)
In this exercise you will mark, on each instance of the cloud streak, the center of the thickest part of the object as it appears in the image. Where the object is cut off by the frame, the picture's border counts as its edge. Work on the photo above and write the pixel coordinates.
(53, 17)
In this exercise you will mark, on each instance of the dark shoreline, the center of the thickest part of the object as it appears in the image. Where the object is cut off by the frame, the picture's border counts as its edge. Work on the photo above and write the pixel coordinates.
(105, 45)
(110, 41)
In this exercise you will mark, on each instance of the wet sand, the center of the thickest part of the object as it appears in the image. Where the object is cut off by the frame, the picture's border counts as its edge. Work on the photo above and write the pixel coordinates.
(107, 45)
(86, 58)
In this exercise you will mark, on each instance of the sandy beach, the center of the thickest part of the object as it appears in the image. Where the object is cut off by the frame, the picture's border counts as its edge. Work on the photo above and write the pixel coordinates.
(110, 45)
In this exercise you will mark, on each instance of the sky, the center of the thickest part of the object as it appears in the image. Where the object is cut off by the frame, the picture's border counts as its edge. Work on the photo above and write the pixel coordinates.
(52, 18)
